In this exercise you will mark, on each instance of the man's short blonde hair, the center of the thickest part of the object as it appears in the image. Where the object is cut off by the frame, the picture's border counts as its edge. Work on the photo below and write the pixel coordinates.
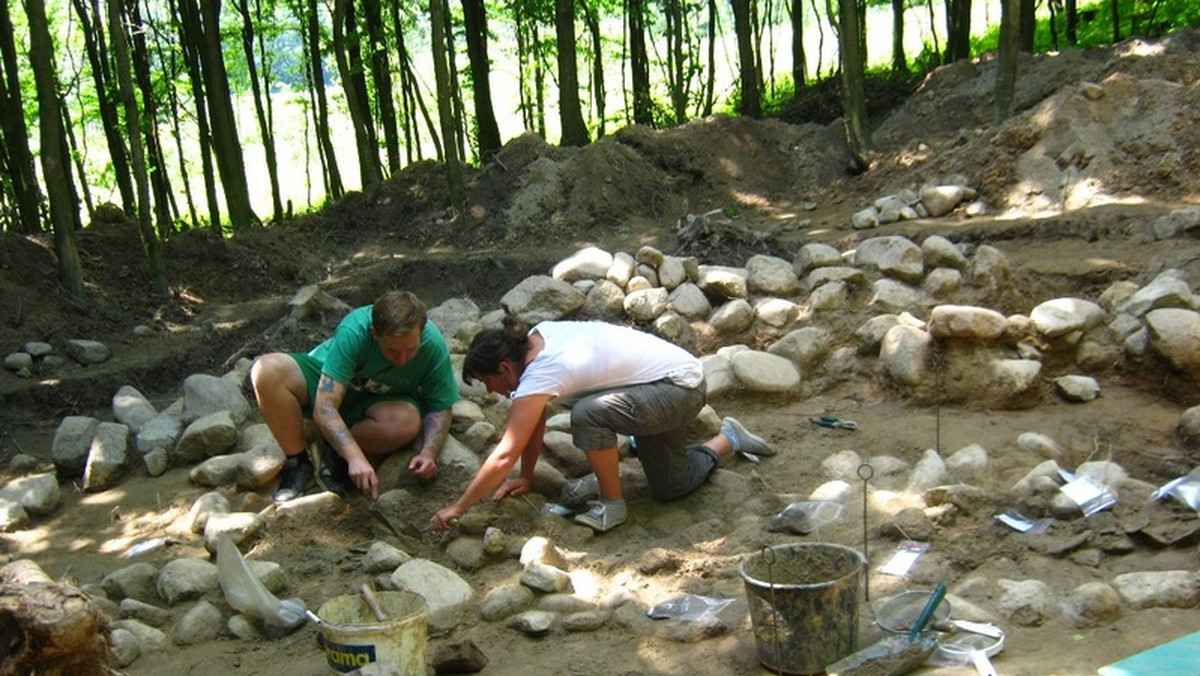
(396, 313)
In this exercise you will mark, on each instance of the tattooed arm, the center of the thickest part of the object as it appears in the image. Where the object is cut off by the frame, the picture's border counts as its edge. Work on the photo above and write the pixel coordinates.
(435, 427)
(325, 413)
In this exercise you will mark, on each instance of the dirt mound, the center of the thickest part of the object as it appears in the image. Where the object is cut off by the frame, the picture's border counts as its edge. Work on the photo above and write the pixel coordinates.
(1088, 128)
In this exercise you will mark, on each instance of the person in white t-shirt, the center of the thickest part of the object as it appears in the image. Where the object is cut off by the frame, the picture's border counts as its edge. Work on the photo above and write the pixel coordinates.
(616, 380)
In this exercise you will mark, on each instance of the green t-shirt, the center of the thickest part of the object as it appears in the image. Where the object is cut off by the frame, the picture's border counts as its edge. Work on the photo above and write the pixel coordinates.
(352, 357)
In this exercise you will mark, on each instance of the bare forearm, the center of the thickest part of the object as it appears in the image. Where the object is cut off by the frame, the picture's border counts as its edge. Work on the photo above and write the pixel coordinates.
(533, 446)
(487, 479)
(529, 457)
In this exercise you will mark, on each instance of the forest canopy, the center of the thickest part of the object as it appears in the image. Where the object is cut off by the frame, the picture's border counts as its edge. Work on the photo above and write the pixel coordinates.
(188, 113)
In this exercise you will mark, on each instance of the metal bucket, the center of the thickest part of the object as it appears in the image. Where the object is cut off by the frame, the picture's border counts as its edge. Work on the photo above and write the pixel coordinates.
(804, 604)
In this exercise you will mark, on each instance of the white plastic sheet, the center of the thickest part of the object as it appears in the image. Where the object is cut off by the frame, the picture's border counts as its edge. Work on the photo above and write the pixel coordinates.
(246, 593)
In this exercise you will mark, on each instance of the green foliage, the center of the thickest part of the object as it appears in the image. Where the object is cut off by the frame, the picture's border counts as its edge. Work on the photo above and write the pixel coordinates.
(776, 97)
(926, 60)
(731, 104)
(1142, 18)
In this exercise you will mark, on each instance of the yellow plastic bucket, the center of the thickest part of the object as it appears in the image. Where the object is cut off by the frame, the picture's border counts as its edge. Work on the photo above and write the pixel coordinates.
(352, 637)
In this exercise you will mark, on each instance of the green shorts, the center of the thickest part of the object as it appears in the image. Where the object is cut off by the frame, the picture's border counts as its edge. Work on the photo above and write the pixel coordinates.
(354, 404)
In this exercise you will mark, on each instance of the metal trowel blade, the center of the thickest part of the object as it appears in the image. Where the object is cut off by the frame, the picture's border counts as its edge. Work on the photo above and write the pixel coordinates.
(407, 530)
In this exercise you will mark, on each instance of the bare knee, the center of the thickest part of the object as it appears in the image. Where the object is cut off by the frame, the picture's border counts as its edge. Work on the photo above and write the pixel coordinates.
(275, 373)
(267, 368)
(388, 426)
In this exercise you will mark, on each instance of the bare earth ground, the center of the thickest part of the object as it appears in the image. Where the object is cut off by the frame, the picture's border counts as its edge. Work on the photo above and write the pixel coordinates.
(1141, 144)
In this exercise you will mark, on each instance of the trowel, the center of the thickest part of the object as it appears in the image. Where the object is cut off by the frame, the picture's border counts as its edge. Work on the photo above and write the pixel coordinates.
(406, 531)
(893, 655)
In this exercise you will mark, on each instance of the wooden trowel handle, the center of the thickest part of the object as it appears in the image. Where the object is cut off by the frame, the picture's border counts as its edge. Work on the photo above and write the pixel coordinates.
(927, 613)
(368, 595)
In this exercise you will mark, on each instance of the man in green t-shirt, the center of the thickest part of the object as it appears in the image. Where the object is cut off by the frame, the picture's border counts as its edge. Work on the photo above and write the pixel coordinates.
(382, 379)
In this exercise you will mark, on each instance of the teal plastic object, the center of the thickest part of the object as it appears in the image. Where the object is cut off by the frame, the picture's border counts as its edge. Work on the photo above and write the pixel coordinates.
(1180, 657)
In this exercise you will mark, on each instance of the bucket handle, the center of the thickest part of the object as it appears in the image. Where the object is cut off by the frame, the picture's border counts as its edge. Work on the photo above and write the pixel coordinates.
(768, 557)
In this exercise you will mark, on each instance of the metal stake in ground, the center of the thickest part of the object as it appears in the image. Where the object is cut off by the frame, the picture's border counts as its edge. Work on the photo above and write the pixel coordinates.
(865, 472)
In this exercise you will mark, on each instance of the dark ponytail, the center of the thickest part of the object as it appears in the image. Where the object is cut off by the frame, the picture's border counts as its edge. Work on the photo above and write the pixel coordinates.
(493, 346)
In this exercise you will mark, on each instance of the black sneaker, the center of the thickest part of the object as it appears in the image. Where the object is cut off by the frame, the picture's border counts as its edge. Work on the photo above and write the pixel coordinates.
(294, 478)
(332, 472)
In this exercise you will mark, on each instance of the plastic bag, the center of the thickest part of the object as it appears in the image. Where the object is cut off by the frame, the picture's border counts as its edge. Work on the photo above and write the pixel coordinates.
(689, 607)
(1186, 489)
(802, 518)
(246, 593)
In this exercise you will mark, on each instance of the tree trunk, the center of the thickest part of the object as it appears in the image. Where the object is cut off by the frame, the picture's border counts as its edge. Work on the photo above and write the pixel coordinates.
(381, 74)
(407, 106)
(168, 57)
(899, 60)
(55, 171)
(72, 156)
(133, 123)
(673, 15)
(1072, 22)
(958, 30)
(441, 73)
(1052, 22)
(1028, 25)
(50, 629)
(1116, 20)
(26, 193)
(227, 146)
(349, 61)
(1008, 49)
(155, 162)
(260, 112)
(639, 64)
(458, 108)
(539, 82)
(420, 102)
(110, 120)
(937, 51)
(799, 60)
(475, 25)
(189, 36)
(593, 24)
(574, 130)
(710, 85)
(312, 41)
(751, 104)
(62, 632)
(854, 103)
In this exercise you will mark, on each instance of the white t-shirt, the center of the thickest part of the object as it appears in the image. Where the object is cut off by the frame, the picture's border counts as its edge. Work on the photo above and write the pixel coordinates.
(583, 357)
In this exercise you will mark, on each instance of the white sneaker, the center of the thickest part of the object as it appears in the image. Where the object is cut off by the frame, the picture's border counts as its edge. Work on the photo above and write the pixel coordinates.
(743, 440)
(603, 516)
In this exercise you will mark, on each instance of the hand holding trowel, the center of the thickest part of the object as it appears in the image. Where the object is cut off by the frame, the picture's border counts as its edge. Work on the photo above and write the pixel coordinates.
(893, 655)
